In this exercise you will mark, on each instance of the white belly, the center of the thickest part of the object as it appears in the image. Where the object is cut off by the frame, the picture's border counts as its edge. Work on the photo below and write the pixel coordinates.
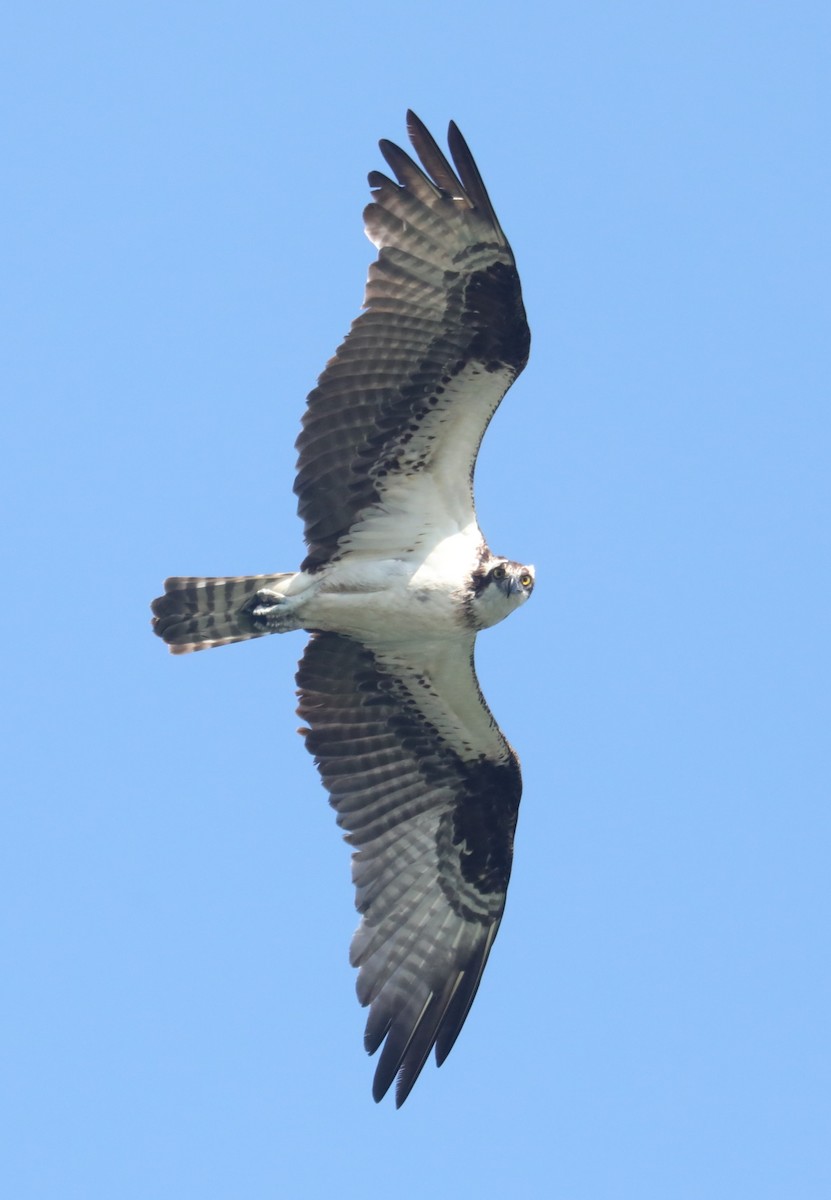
(414, 596)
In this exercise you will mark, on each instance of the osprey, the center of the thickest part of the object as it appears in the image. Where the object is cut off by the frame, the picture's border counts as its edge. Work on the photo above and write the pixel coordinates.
(396, 583)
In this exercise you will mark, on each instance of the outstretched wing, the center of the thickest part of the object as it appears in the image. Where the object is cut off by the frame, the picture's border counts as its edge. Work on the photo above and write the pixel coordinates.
(428, 790)
(395, 422)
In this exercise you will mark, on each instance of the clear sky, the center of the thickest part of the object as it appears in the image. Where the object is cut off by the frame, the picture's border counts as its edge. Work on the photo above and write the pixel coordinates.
(182, 251)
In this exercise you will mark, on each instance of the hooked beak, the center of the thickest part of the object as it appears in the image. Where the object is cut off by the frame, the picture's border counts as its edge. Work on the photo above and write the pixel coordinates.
(515, 588)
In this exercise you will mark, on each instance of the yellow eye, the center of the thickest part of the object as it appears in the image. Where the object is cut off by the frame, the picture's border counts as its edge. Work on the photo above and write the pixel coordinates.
(498, 573)
(526, 579)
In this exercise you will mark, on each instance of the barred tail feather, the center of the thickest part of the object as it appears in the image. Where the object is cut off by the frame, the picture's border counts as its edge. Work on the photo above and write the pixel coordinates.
(197, 614)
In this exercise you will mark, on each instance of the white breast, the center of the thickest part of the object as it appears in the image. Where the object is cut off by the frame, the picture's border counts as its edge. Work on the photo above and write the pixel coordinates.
(415, 594)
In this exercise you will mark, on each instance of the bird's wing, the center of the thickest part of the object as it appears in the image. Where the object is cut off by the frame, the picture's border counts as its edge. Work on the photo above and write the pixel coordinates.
(395, 422)
(428, 789)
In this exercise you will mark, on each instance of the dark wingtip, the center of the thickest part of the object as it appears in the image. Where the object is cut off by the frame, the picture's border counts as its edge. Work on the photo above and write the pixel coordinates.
(403, 1085)
(470, 176)
(414, 123)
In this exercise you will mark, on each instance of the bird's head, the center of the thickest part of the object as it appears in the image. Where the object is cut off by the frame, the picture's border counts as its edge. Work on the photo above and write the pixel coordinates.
(498, 586)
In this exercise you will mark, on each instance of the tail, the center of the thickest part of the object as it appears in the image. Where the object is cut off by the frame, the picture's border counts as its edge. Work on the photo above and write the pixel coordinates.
(196, 614)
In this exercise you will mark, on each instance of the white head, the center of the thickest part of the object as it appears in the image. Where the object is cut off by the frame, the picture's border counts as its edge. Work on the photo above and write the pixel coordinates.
(497, 587)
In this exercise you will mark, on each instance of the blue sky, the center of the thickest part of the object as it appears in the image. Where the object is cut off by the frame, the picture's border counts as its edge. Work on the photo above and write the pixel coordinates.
(183, 251)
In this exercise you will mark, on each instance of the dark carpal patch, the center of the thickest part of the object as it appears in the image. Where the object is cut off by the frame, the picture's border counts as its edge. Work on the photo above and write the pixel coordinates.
(494, 309)
(476, 839)
(483, 824)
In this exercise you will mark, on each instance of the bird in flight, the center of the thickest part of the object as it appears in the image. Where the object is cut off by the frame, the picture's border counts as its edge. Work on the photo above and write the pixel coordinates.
(396, 584)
